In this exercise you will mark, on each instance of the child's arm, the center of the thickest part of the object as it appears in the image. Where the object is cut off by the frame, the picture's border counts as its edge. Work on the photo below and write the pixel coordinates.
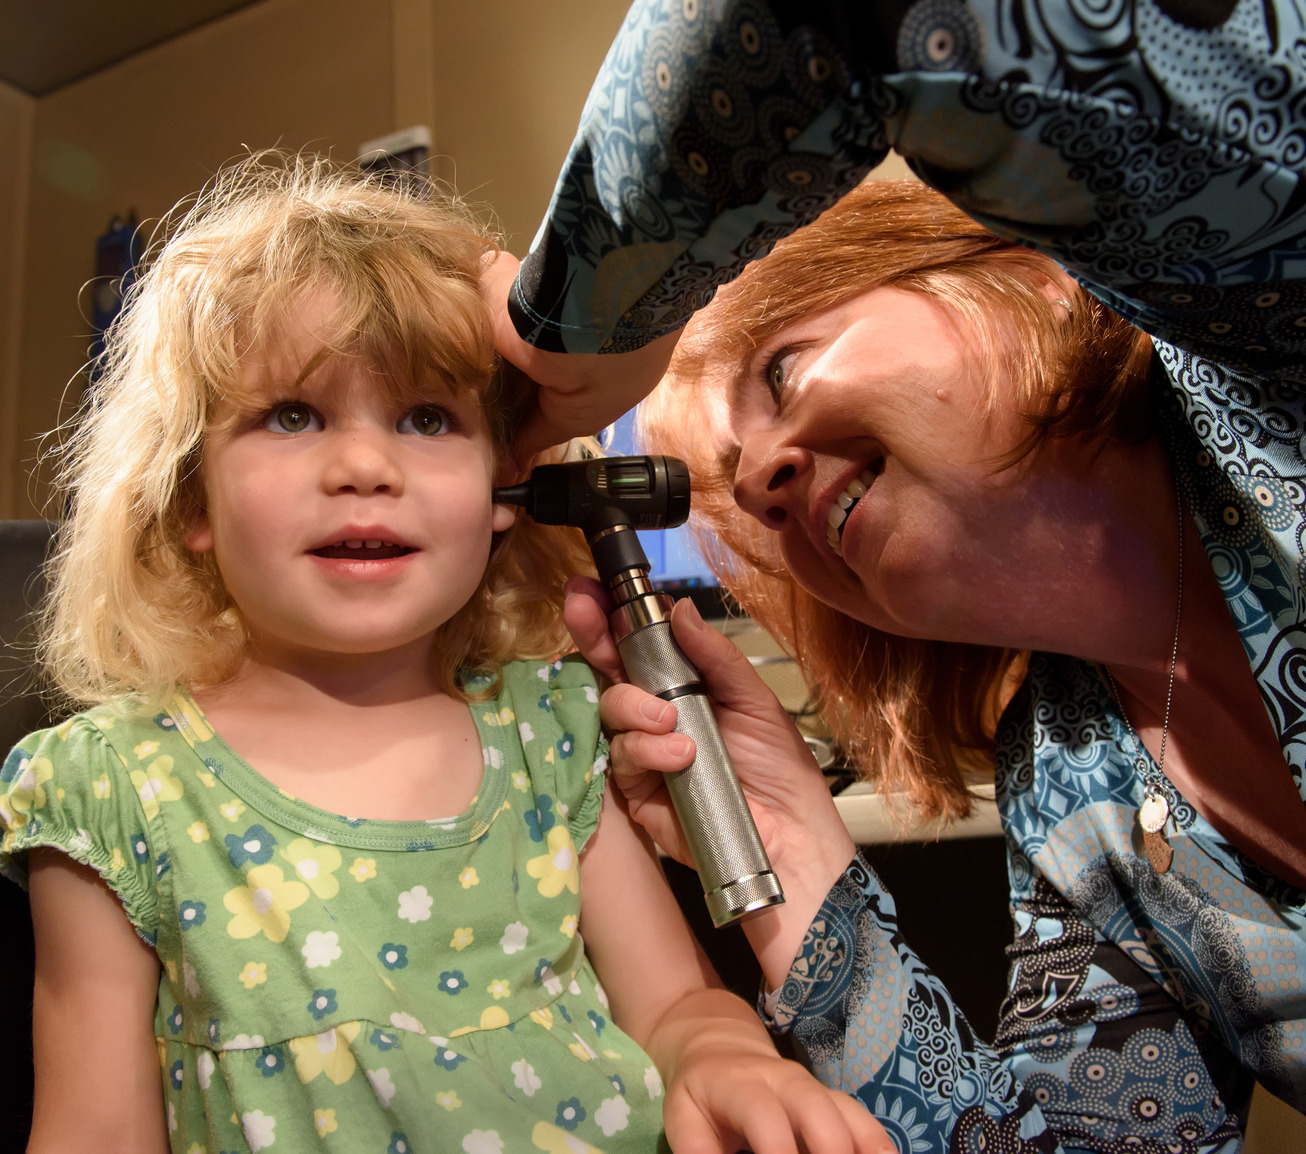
(726, 1085)
(98, 1085)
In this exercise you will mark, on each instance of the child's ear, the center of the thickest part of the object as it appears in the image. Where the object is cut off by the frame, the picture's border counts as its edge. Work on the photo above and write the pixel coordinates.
(503, 517)
(199, 537)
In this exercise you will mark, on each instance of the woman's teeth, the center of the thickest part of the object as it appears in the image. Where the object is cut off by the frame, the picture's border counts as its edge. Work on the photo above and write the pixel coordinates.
(844, 505)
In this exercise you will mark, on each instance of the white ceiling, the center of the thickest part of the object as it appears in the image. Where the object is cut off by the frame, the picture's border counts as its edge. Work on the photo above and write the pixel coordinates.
(45, 44)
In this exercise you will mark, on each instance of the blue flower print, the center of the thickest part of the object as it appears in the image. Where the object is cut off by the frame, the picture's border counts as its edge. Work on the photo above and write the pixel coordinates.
(542, 819)
(12, 762)
(617, 1084)
(355, 822)
(163, 865)
(175, 1020)
(453, 981)
(140, 847)
(174, 1075)
(546, 703)
(420, 845)
(570, 1114)
(271, 1061)
(566, 1014)
(191, 915)
(322, 1003)
(398, 1143)
(448, 1059)
(254, 845)
(597, 1021)
(215, 1032)
(565, 745)
(213, 766)
(393, 956)
(384, 1041)
(164, 721)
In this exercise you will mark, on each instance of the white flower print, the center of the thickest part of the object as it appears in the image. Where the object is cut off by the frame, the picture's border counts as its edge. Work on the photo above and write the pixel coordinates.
(591, 695)
(191, 982)
(81, 842)
(612, 1115)
(493, 758)
(415, 905)
(582, 1047)
(527, 733)
(172, 1117)
(574, 988)
(525, 1078)
(321, 949)
(482, 1142)
(600, 764)
(514, 938)
(260, 1130)
(204, 1067)
(382, 1086)
(653, 1082)
(543, 672)
(551, 982)
(245, 1042)
(402, 1021)
(601, 994)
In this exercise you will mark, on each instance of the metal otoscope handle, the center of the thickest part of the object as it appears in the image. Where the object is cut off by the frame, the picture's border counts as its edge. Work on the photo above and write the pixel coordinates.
(732, 864)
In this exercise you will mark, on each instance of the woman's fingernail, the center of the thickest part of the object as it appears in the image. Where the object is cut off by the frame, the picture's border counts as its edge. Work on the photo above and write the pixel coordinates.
(655, 710)
(681, 746)
(692, 616)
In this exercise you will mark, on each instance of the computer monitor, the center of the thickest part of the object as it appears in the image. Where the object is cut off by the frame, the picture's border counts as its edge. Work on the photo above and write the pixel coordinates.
(676, 565)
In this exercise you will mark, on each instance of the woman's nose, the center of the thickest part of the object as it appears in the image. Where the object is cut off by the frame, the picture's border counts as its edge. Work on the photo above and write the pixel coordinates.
(362, 461)
(768, 479)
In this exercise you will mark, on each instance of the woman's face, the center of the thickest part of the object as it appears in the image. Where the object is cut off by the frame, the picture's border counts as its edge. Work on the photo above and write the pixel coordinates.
(864, 439)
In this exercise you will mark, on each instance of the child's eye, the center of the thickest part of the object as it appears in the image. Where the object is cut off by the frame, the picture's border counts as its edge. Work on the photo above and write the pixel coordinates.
(292, 418)
(426, 421)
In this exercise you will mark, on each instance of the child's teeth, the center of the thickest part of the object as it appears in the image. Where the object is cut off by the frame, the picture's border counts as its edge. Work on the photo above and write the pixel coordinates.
(353, 544)
(374, 544)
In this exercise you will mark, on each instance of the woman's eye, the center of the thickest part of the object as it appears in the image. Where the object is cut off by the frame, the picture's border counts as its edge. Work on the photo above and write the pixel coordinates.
(426, 421)
(292, 419)
(777, 373)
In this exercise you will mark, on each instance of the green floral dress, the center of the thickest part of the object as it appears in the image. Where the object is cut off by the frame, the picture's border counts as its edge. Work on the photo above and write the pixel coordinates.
(331, 983)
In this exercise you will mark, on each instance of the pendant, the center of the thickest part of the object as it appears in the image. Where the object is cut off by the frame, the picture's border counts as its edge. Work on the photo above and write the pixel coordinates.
(1152, 816)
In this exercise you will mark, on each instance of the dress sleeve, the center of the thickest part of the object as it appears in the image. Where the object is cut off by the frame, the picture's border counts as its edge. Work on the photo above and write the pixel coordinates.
(715, 128)
(67, 789)
(557, 708)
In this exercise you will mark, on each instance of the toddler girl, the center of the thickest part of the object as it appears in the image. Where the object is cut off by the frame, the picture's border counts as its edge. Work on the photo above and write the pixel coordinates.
(315, 849)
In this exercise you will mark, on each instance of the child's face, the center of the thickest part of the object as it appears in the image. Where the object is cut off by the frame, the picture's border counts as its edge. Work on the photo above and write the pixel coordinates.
(342, 522)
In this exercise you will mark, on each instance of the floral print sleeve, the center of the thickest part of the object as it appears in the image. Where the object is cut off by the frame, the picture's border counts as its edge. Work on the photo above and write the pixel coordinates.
(69, 789)
(556, 710)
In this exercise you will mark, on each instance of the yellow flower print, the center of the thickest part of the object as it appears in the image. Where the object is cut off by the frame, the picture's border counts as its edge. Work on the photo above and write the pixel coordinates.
(316, 864)
(324, 1122)
(462, 938)
(116, 860)
(232, 810)
(254, 974)
(27, 793)
(263, 904)
(154, 784)
(569, 924)
(363, 869)
(555, 1140)
(195, 1148)
(543, 1017)
(326, 1053)
(448, 1099)
(556, 870)
(102, 787)
(505, 716)
(520, 780)
(499, 989)
(145, 749)
(492, 1018)
(198, 832)
(189, 721)
(206, 779)
(468, 878)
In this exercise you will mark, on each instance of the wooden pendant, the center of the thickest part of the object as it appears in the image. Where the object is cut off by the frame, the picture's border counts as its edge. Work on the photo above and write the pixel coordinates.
(1159, 851)
(1152, 816)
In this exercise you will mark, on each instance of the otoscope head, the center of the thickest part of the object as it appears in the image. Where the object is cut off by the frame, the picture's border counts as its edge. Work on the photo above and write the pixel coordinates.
(605, 493)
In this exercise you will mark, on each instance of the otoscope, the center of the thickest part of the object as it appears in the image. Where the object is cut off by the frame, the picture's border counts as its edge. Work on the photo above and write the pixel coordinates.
(609, 498)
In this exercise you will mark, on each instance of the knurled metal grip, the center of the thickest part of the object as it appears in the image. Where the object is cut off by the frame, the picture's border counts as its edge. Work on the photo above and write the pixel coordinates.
(731, 861)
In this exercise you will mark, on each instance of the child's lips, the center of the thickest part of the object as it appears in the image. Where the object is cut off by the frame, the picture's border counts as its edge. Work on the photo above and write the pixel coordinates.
(362, 551)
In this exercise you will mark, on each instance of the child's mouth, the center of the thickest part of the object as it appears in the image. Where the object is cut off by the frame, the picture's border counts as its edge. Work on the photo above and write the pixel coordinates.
(362, 551)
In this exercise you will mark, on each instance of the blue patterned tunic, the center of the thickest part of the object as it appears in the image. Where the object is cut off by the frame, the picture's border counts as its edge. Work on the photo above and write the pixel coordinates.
(1156, 150)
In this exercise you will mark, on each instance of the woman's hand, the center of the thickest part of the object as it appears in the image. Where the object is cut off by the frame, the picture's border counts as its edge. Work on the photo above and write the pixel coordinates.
(578, 394)
(805, 838)
(729, 1090)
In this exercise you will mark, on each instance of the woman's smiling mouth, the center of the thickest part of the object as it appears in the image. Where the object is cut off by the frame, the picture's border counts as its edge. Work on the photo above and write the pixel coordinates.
(847, 501)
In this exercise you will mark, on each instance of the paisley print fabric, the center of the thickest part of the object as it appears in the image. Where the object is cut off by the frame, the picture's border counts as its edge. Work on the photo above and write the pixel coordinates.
(1157, 150)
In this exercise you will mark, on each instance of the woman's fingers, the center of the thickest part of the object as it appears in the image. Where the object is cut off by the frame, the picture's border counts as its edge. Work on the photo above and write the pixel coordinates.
(731, 680)
(586, 614)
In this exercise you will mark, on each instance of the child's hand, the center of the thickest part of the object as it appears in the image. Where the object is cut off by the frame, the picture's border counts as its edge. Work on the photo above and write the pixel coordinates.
(732, 1091)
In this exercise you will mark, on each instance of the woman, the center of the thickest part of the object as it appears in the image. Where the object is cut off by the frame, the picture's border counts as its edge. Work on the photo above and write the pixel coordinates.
(960, 450)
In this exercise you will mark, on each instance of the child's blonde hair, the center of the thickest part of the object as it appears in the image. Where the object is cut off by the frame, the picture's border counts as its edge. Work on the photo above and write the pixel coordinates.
(135, 613)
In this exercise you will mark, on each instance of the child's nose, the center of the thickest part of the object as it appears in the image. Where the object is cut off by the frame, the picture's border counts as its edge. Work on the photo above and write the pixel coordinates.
(363, 462)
